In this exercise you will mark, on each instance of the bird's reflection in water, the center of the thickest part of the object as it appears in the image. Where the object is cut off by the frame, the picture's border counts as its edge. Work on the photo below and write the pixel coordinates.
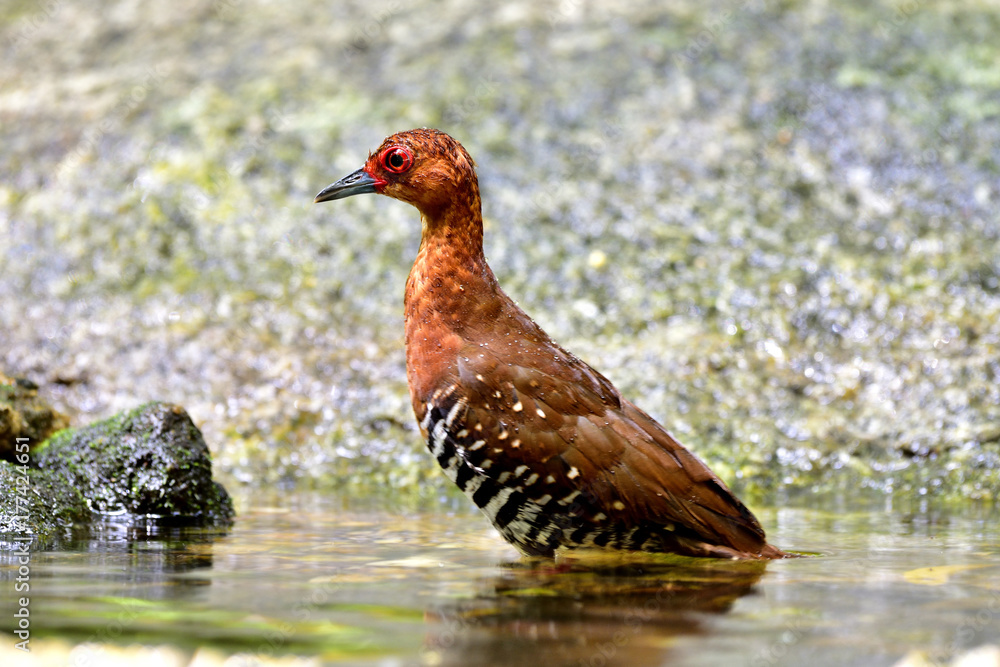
(595, 610)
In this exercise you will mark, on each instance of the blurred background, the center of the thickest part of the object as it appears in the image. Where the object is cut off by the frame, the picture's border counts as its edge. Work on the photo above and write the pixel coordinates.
(772, 224)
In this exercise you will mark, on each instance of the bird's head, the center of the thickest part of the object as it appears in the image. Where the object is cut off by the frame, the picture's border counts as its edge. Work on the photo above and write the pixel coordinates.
(423, 167)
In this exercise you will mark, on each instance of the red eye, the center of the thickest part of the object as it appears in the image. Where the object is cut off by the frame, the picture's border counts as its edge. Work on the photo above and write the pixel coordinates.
(397, 159)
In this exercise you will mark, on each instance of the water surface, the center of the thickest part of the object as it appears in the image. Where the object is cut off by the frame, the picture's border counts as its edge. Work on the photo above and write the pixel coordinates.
(345, 581)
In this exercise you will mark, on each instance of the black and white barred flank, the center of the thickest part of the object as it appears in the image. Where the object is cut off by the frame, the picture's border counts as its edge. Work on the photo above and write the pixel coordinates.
(530, 518)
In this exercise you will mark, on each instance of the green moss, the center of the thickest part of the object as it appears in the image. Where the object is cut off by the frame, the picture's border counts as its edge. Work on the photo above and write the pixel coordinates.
(148, 461)
(23, 414)
(38, 502)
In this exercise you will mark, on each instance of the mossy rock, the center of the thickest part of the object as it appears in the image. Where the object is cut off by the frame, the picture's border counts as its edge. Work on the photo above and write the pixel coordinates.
(39, 503)
(24, 415)
(151, 462)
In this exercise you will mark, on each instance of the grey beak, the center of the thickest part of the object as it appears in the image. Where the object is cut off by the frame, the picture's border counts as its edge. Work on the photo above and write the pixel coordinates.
(358, 183)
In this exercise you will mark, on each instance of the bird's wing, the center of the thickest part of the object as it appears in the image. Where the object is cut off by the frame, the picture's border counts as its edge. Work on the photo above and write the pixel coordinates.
(550, 421)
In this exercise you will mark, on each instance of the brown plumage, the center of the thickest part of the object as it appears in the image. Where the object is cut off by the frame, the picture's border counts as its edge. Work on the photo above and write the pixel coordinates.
(540, 441)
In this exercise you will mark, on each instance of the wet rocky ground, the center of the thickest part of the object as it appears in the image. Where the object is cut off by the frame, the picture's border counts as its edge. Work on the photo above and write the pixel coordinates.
(773, 225)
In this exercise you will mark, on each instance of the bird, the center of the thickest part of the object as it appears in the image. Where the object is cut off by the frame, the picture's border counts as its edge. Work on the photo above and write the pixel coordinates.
(543, 444)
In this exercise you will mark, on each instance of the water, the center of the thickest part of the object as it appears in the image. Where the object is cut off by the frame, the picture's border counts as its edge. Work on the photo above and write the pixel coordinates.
(351, 581)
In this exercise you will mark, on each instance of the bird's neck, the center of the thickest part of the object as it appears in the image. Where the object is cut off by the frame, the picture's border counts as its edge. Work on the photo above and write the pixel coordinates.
(451, 293)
